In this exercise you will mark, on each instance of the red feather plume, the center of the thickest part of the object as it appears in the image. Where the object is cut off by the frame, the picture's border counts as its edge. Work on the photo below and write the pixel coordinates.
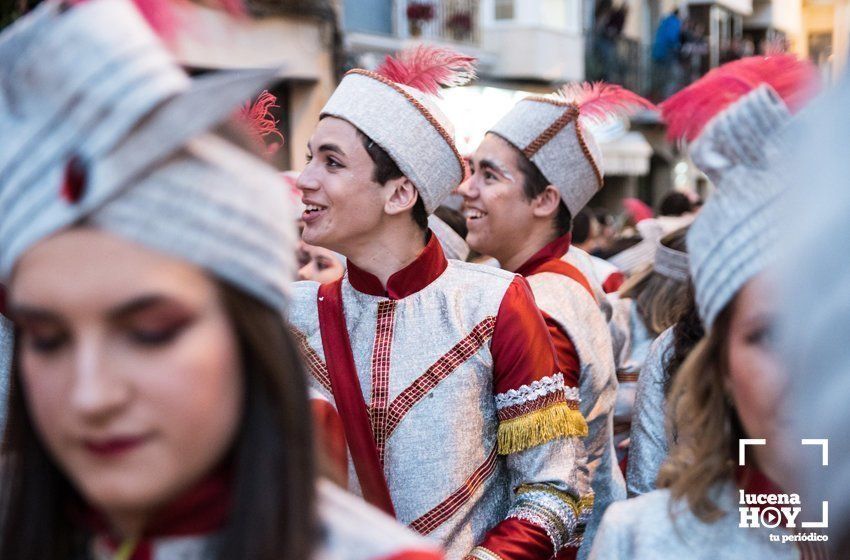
(164, 19)
(427, 68)
(599, 101)
(261, 122)
(690, 110)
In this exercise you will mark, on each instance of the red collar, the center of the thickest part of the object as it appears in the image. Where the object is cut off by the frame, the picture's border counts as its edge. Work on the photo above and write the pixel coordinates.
(202, 510)
(554, 250)
(426, 268)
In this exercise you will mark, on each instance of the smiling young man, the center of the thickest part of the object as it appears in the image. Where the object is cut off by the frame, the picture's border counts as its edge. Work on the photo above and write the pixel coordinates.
(457, 418)
(533, 171)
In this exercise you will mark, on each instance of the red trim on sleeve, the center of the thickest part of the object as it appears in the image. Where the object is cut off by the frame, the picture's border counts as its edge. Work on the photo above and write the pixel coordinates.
(565, 352)
(330, 437)
(613, 282)
(521, 348)
(517, 539)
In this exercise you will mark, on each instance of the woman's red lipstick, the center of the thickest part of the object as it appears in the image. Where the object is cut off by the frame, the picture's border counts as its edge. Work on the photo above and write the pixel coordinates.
(113, 447)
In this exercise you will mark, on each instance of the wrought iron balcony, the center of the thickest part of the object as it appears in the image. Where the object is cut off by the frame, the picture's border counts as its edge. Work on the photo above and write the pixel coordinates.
(444, 20)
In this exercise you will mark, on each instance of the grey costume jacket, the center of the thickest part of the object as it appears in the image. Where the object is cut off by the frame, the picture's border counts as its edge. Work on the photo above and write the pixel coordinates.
(474, 426)
(649, 447)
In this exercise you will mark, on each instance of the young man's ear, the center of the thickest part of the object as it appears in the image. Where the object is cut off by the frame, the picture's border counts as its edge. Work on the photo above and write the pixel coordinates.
(547, 203)
(401, 196)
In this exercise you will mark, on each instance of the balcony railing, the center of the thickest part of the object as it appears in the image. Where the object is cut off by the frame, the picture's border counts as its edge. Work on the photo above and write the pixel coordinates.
(445, 20)
(628, 63)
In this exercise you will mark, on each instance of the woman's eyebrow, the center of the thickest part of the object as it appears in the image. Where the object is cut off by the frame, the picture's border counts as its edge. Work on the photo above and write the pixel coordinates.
(137, 304)
(27, 312)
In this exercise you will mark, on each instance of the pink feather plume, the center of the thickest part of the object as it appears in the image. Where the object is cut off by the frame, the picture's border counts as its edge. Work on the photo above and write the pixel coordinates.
(164, 18)
(690, 110)
(599, 101)
(261, 122)
(427, 68)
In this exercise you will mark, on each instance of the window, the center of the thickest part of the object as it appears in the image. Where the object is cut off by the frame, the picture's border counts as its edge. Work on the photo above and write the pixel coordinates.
(504, 9)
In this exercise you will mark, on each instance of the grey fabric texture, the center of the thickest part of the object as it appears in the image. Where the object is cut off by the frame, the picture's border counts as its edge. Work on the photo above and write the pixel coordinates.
(649, 447)
(629, 361)
(815, 272)
(575, 310)
(561, 160)
(736, 234)
(92, 84)
(585, 264)
(354, 530)
(671, 263)
(6, 345)
(390, 119)
(643, 529)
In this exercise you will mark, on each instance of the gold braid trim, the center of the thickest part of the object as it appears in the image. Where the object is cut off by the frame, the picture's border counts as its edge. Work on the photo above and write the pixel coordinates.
(570, 115)
(530, 430)
(583, 504)
(596, 171)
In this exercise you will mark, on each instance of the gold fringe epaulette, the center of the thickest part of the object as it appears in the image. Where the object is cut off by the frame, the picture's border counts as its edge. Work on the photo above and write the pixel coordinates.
(529, 430)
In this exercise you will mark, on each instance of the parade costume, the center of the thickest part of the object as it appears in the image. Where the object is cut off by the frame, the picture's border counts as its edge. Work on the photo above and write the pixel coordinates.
(643, 528)
(734, 117)
(648, 449)
(633, 339)
(458, 420)
(111, 133)
(608, 274)
(550, 132)
(630, 352)
(640, 256)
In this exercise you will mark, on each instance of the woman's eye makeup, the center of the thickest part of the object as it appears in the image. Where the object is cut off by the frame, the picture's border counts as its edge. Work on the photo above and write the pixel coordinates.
(762, 335)
(46, 342)
(157, 327)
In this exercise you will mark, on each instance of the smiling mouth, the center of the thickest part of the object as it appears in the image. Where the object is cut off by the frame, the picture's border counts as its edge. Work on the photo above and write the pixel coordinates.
(313, 211)
(474, 214)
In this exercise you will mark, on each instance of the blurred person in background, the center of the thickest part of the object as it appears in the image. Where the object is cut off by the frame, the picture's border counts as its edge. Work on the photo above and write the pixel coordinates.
(666, 50)
(675, 204)
(816, 311)
(158, 407)
(648, 303)
(585, 236)
(731, 385)
(319, 264)
(649, 445)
